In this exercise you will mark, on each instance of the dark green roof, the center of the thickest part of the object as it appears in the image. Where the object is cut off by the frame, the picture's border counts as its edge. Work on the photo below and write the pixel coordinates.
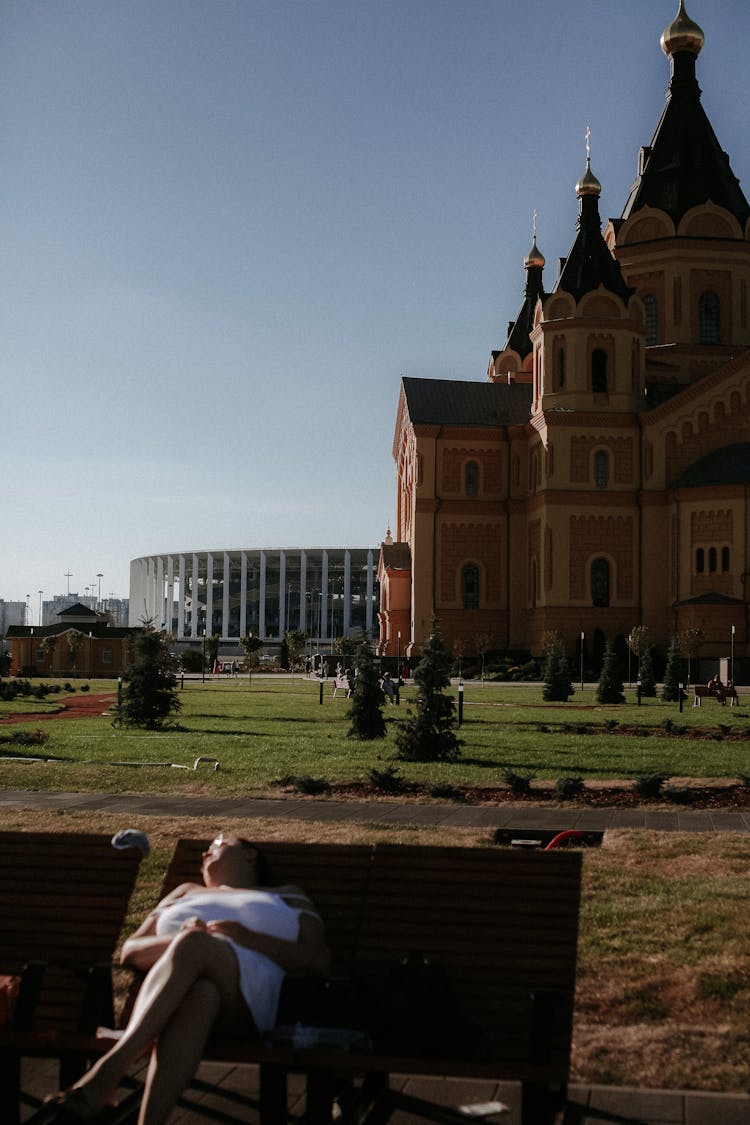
(454, 402)
(520, 330)
(590, 263)
(712, 599)
(685, 165)
(729, 465)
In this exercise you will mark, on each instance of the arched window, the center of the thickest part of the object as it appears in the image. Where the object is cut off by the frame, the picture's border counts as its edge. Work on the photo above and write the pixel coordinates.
(471, 478)
(651, 306)
(599, 374)
(470, 587)
(709, 311)
(600, 582)
(601, 468)
(712, 560)
(724, 560)
(700, 561)
(561, 367)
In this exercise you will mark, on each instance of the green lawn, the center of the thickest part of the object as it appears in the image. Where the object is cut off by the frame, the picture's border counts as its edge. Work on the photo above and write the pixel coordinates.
(664, 960)
(271, 729)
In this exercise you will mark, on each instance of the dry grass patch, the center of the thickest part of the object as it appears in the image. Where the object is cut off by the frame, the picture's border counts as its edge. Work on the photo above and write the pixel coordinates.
(663, 994)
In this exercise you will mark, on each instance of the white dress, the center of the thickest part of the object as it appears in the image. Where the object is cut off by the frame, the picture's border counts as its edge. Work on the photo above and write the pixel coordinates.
(260, 910)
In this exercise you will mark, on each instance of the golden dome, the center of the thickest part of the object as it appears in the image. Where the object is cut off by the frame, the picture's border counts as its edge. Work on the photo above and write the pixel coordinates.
(534, 257)
(588, 183)
(683, 34)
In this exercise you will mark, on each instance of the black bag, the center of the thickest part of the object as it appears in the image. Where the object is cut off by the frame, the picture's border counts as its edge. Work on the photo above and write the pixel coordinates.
(416, 1011)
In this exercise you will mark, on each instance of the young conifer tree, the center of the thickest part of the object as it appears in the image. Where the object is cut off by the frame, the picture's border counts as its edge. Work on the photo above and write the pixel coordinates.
(150, 694)
(558, 686)
(366, 711)
(646, 675)
(672, 672)
(428, 734)
(609, 688)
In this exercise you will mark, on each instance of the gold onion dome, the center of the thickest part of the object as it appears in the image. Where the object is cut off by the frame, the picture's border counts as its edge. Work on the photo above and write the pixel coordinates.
(534, 257)
(683, 34)
(588, 183)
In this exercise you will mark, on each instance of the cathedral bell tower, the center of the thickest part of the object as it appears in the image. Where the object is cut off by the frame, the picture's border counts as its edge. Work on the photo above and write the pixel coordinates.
(588, 333)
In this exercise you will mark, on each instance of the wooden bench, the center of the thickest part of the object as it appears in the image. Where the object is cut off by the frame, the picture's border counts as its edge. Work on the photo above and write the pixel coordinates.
(63, 899)
(503, 924)
(722, 694)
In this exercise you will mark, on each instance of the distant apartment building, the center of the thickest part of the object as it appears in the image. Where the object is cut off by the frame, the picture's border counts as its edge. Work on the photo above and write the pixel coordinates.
(115, 609)
(11, 613)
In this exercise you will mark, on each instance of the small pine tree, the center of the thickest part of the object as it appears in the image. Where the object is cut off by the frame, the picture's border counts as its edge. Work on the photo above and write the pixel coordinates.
(427, 735)
(672, 672)
(609, 688)
(366, 711)
(646, 675)
(558, 686)
(150, 694)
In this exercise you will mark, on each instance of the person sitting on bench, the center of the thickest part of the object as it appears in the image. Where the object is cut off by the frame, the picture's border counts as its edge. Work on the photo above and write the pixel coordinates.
(215, 955)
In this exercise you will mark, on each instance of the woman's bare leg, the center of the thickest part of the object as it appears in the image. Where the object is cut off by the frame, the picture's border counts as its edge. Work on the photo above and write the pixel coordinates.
(178, 1051)
(193, 956)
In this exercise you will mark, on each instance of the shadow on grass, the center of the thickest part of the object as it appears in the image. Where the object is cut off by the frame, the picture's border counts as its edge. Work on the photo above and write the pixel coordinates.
(223, 733)
(585, 770)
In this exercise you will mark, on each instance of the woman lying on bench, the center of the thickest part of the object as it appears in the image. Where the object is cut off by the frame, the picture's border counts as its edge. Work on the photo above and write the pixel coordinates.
(215, 956)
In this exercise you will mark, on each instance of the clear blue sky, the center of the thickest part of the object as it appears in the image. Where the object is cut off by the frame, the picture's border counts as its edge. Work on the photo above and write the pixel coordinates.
(227, 227)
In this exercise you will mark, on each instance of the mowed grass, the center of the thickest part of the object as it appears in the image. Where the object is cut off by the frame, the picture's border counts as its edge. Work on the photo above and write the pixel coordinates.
(273, 729)
(663, 981)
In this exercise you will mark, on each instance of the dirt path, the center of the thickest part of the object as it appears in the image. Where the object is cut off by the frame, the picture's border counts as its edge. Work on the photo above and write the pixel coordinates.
(84, 706)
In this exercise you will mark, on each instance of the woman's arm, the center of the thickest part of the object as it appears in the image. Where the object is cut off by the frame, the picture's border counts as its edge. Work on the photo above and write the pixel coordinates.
(144, 946)
(308, 954)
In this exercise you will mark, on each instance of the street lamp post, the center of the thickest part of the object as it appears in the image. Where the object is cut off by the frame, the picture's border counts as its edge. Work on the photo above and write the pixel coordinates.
(99, 598)
(732, 657)
(582, 640)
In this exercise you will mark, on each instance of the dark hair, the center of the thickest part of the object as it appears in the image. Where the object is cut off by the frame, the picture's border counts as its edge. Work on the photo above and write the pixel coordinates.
(263, 867)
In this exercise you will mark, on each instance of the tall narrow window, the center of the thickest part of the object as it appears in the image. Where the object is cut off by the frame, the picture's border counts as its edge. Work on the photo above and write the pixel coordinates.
(712, 560)
(471, 478)
(708, 318)
(651, 306)
(724, 560)
(700, 561)
(601, 468)
(600, 582)
(561, 367)
(599, 374)
(470, 587)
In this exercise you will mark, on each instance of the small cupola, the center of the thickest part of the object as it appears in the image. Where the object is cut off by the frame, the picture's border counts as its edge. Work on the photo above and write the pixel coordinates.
(682, 35)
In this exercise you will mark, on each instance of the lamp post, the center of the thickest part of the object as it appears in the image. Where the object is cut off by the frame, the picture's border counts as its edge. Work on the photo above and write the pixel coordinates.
(99, 598)
(732, 657)
(398, 655)
(582, 640)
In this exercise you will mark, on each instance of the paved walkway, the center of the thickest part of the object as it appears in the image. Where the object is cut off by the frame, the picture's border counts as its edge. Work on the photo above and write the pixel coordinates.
(588, 1105)
(520, 818)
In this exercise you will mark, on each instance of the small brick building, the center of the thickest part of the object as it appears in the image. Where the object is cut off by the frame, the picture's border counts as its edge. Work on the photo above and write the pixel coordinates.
(82, 643)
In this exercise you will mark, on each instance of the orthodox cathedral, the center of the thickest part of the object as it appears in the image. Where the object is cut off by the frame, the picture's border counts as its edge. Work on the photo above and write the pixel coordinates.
(598, 479)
